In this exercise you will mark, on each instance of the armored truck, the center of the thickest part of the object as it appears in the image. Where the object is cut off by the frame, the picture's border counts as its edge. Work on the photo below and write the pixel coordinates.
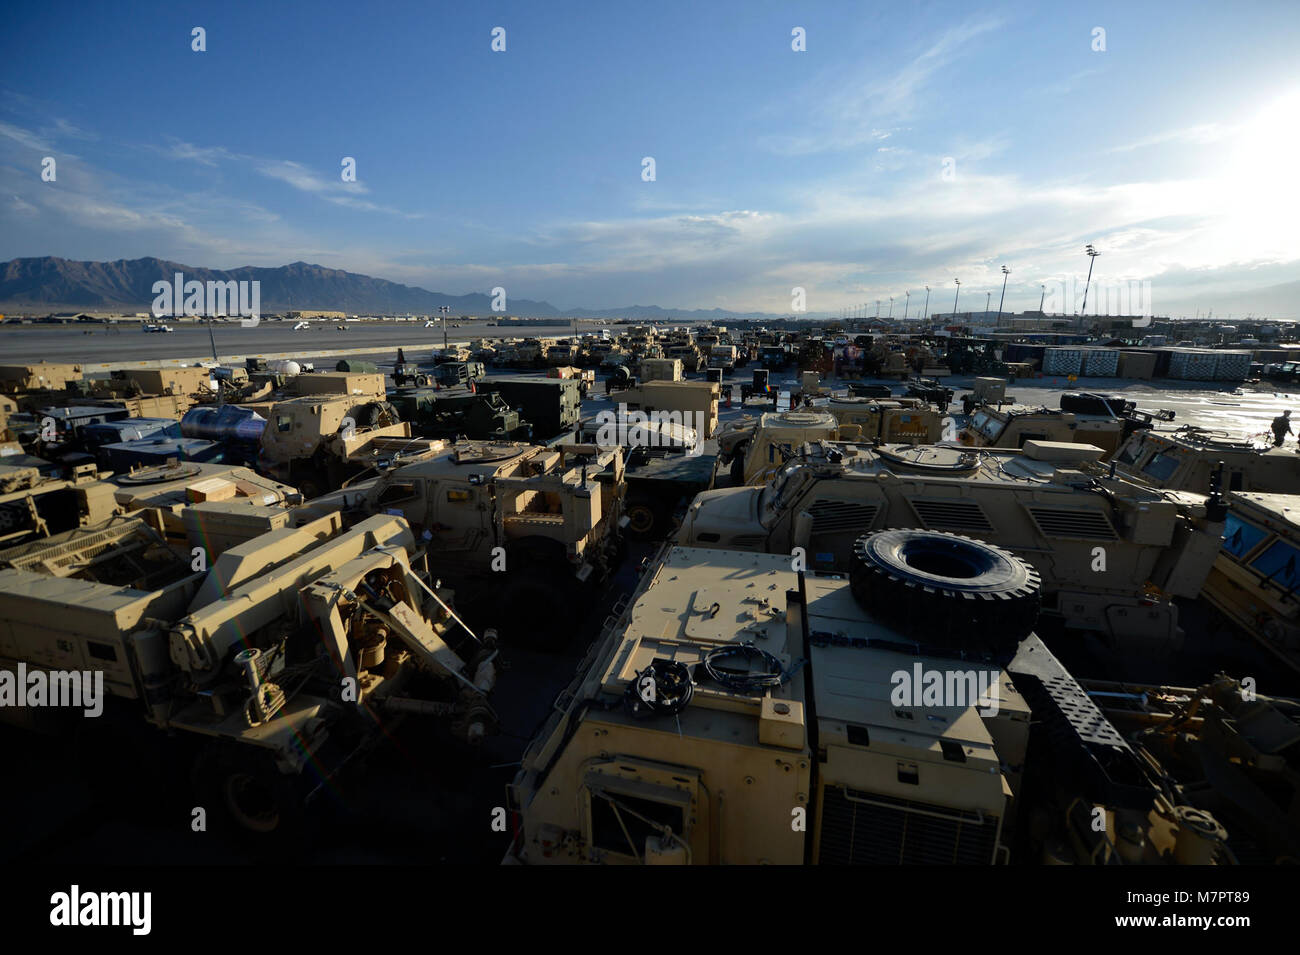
(517, 527)
(739, 712)
(1255, 581)
(1112, 553)
(284, 656)
(316, 441)
(1187, 460)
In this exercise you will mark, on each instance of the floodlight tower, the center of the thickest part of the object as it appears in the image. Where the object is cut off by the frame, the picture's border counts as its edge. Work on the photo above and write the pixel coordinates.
(1005, 272)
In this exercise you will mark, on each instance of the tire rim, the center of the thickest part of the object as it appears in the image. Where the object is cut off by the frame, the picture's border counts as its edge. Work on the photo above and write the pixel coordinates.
(640, 518)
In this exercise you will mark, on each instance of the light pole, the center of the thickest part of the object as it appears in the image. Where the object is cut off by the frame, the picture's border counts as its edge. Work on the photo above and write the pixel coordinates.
(444, 309)
(954, 301)
(1005, 272)
(891, 308)
(906, 302)
(877, 309)
(1042, 298)
(1092, 258)
(926, 311)
(988, 296)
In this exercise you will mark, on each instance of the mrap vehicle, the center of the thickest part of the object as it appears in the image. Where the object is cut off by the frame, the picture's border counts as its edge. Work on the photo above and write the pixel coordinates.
(1112, 553)
(738, 712)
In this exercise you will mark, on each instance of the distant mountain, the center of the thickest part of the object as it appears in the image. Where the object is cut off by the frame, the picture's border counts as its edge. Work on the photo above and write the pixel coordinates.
(51, 283)
(128, 284)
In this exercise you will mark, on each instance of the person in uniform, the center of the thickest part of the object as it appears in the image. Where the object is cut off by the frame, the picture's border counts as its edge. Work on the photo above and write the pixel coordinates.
(1281, 428)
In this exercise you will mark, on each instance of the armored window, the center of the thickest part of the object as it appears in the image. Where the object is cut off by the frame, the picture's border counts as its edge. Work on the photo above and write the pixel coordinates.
(622, 823)
(284, 422)
(1280, 564)
(402, 491)
(1239, 537)
(1161, 466)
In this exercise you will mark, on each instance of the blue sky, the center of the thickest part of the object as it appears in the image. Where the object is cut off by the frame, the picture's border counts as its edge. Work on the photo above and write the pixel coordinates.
(1173, 150)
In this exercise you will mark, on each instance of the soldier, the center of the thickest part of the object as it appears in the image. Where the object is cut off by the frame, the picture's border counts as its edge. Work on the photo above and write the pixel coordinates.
(1281, 428)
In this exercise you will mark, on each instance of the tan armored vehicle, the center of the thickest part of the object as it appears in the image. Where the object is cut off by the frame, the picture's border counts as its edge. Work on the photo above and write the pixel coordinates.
(1255, 581)
(517, 526)
(1011, 427)
(741, 713)
(315, 442)
(1112, 553)
(687, 354)
(758, 449)
(292, 652)
(43, 376)
(35, 505)
(1186, 459)
(696, 399)
(170, 490)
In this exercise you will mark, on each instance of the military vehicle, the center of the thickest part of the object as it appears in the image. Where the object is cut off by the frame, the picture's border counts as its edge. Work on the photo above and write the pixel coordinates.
(1187, 459)
(315, 442)
(483, 417)
(757, 449)
(1255, 582)
(519, 527)
(774, 357)
(585, 377)
(1222, 747)
(1106, 421)
(664, 467)
(740, 712)
(452, 373)
(551, 405)
(290, 655)
(37, 379)
(1112, 553)
(687, 354)
(695, 401)
(722, 356)
(35, 504)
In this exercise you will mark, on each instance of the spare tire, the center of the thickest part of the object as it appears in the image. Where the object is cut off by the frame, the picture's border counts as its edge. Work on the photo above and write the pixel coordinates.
(946, 590)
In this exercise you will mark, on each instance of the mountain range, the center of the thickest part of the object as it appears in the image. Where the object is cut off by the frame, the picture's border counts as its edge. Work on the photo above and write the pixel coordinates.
(49, 283)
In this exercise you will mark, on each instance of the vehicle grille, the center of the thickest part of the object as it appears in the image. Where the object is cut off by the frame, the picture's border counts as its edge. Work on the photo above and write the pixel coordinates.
(832, 517)
(1089, 525)
(890, 831)
(950, 515)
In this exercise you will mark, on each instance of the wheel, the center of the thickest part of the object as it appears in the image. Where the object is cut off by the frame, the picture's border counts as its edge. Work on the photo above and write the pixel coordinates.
(244, 792)
(646, 518)
(946, 589)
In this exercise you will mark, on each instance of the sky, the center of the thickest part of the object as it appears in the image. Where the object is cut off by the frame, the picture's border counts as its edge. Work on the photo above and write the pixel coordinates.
(907, 144)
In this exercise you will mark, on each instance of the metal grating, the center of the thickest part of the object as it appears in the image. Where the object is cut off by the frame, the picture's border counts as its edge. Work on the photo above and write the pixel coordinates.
(891, 831)
(950, 515)
(1067, 522)
(835, 517)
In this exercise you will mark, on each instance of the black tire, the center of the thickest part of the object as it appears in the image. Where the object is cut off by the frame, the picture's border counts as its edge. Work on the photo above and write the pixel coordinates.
(246, 795)
(946, 590)
(647, 518)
